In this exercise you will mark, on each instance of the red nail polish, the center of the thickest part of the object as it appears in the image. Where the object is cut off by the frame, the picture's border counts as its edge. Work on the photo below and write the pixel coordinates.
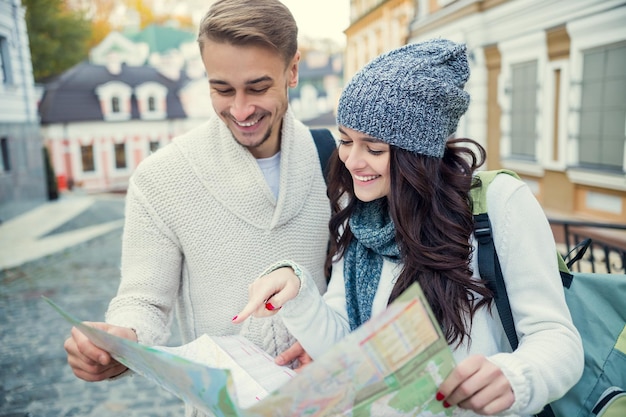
(269, 306)
(235, 318)
(439, 396)
(446, 405)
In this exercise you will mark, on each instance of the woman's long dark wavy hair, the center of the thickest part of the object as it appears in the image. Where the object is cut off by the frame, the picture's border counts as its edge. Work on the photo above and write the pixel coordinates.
(430, 206)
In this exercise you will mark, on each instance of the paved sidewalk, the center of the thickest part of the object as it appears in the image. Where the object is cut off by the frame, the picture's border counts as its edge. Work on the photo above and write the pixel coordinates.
(69, 251)
(32, 235)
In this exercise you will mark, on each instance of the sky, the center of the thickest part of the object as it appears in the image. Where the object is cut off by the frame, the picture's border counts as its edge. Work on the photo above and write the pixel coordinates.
(320, 19)
(316, 19)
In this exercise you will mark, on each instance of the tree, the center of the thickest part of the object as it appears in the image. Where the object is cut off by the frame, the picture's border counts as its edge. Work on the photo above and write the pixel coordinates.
(58, 37)
(144, 10)
(147, 15)
(104, 16)
(99, 13)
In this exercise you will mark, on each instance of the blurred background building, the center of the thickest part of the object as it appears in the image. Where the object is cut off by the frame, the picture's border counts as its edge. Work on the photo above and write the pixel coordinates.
(139, 89)
(22, 172)
(548, 90)
(548, 87)
(136, 92)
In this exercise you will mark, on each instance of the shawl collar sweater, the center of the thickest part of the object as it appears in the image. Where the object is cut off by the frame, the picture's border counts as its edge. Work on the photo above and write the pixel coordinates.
(202, 223)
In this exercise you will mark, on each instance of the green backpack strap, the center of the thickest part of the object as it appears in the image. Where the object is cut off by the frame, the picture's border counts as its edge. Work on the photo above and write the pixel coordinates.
(478, 195)
(479, 191)
(488, 262)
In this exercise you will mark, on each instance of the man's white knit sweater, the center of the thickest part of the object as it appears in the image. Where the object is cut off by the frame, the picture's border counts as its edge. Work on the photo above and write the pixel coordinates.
(202, 223)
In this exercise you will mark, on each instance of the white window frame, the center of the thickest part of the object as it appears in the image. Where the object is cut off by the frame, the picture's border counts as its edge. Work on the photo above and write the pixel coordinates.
(106, 93)
(114, 153)
(531, 47)
(5, 61)
(93, 155)
(555, 162)
(5, 154)
(587, 33)
(518, 112)
(77, 165)
(143, 93)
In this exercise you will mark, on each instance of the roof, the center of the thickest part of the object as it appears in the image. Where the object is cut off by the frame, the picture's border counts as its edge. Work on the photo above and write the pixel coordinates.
(72, 96)
(161, 39)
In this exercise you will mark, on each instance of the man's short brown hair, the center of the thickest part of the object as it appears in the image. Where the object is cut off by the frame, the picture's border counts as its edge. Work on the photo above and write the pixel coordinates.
(267, 23)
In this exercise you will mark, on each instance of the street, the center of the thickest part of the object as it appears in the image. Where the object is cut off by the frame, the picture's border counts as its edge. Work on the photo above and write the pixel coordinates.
(35, 380)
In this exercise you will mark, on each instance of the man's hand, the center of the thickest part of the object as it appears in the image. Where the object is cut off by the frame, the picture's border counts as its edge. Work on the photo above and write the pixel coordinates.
(89, 362)
(295, 352)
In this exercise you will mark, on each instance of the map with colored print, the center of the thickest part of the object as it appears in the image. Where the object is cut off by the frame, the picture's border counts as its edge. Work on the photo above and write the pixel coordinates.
(390, 366)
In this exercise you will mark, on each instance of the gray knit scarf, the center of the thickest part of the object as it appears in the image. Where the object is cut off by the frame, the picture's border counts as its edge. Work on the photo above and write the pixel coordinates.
(374, 238)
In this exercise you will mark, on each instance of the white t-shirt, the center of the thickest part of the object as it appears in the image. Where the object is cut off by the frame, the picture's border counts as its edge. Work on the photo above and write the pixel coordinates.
(271, 171)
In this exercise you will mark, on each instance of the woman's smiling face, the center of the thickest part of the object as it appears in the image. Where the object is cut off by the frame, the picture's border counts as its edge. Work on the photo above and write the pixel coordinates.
(367, 159)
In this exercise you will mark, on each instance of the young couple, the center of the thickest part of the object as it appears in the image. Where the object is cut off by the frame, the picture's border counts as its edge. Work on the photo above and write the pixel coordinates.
(206, 213)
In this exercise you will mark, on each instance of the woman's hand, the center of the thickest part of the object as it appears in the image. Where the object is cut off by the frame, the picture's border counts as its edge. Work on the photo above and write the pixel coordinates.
(269, 293)
(479, 385)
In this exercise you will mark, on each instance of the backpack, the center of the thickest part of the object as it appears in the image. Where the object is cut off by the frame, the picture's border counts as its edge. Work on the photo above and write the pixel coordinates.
(325, 144)
(597, 303)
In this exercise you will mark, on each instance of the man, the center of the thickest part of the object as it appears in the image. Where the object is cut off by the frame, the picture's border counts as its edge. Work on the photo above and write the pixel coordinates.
(206, 214)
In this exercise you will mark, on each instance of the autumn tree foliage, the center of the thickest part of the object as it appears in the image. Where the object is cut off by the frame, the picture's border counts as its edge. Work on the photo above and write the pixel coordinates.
(147, 15)
(99, 12)
(58, 36)
(62, 32)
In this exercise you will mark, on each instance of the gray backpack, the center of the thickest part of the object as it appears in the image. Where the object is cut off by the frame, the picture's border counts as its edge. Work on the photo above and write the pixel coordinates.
(597, 303)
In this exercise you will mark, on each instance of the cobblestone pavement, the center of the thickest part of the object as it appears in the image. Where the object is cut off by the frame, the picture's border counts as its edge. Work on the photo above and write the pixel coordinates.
(35, 380)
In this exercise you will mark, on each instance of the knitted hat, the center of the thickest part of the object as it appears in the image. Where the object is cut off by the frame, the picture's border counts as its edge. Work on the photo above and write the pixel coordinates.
(411, 97)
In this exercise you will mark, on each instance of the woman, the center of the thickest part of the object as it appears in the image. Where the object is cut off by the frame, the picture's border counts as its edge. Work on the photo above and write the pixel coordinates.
(402, 213)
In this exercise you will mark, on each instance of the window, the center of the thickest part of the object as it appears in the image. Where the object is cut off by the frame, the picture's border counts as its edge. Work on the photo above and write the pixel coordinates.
(523, 110)
(115, 104)
(603, 108)
(120, 155)
(6, 75)
(86, 153)
(5, 160)
(151, 100)
(115, 98)
(154, 146)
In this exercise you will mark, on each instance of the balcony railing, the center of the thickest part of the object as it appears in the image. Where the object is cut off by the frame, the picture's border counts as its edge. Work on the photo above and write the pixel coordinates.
(602, 245)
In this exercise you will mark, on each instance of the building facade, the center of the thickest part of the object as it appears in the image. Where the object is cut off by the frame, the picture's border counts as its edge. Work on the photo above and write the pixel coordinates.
(548, 90)
(99, 123)
(375, 26)
(22, 172)
(320, 80)
(138, 91)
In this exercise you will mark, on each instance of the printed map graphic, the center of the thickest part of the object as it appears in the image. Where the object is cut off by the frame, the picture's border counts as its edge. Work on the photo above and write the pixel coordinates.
(390, 366)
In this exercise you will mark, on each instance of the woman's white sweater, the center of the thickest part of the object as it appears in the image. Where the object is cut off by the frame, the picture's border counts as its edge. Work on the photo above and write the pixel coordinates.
(549, 358)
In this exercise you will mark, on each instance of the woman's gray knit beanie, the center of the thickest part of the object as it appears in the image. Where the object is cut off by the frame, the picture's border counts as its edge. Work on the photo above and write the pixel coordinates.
(411, 97)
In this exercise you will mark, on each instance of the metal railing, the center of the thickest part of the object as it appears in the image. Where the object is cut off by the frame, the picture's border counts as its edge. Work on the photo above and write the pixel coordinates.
(600, 252)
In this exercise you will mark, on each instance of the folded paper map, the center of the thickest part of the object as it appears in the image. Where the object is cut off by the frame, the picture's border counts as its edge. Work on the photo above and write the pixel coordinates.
(390, 366)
